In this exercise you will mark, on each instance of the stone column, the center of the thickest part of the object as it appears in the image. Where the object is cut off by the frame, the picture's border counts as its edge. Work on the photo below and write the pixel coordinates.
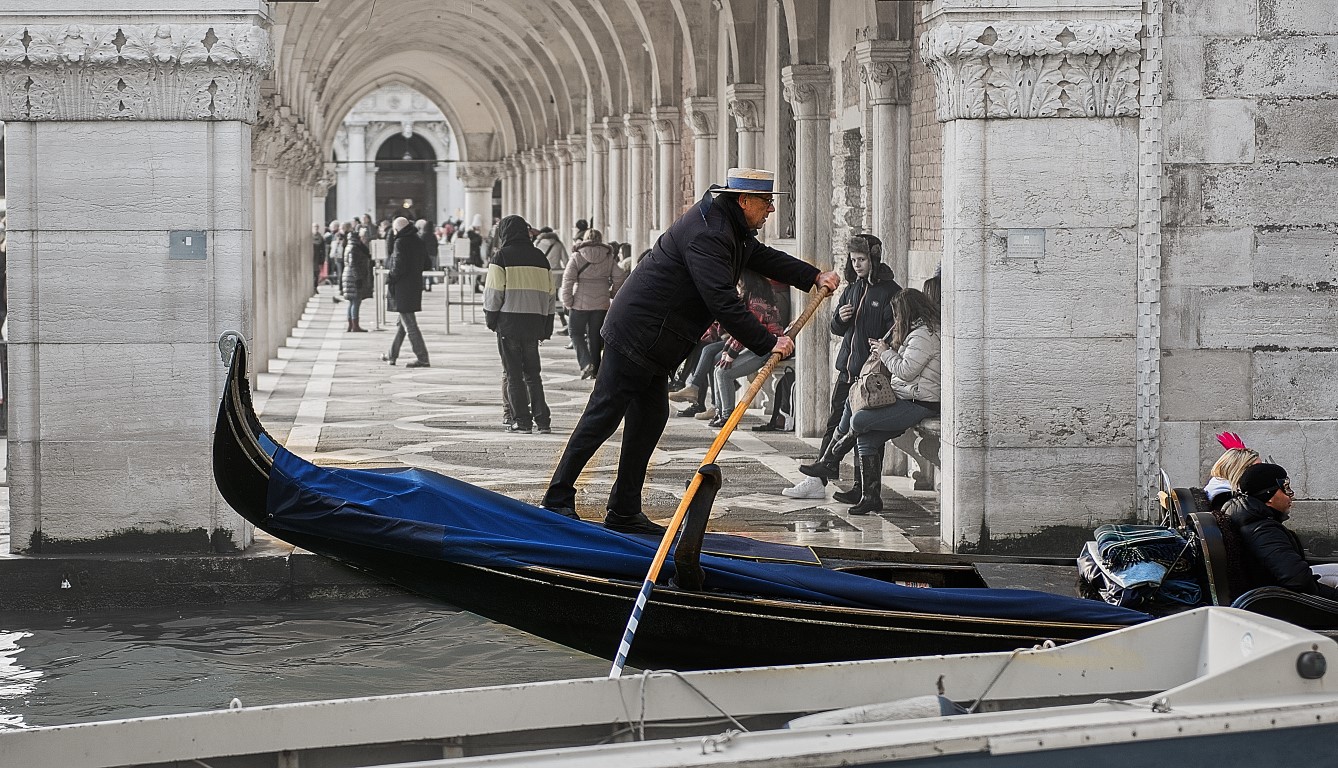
(478, 179)
(745, 102)
(358, 168)
(639, 201)
(533, 185)
(260, 334)
(552, 190)
(885, 71)
(580, 203)
(808, 88)
(598, 176)
(617, 176)
(702, 112)
(113, 407)
(369, 194)
(562, 221)
(507, 168)
(443, 171)
(668, 200)
(1040, 188)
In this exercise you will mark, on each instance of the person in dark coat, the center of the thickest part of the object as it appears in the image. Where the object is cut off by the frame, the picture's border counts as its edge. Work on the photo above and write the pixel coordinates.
(431, 247)
(863, 312)
(1275, 556)
(357, 278)
(518, 305)
(404, 284)
(670, 299)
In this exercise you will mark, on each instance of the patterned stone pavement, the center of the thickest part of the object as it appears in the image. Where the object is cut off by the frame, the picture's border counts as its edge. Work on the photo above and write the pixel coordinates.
(331, 399)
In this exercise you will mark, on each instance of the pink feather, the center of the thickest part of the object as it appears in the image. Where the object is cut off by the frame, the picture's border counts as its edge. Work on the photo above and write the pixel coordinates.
(1230, 440)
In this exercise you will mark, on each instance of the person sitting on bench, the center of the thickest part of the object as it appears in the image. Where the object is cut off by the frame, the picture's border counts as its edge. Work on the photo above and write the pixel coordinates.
(1275, 556)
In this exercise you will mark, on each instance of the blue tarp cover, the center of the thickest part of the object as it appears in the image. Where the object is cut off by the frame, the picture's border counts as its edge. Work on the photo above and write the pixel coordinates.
(422, 513)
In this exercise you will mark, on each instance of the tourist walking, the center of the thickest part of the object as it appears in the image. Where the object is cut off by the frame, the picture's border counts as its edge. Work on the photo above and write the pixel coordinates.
(667, 302)
(550, 245)
(589, 282)
(518, 305)
(404, 289)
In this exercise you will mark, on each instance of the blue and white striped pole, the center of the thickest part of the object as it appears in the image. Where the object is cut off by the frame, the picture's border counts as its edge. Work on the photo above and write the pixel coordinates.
(625, 647)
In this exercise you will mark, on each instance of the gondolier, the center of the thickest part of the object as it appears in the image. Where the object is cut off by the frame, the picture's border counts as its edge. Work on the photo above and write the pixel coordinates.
(686, 282)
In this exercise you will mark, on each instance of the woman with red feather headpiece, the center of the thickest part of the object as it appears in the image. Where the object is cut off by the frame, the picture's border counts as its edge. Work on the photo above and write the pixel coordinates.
(1228, 468)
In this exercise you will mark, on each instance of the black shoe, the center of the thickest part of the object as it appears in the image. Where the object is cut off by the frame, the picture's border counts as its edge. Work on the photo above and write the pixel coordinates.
(768, 427)
(544, 430)
(637, 523)
(821, 470)
(387, 359)
(565, 512)
(692, 410)
(847, 497)
(717, 422)
(518, 427)
(418, 364)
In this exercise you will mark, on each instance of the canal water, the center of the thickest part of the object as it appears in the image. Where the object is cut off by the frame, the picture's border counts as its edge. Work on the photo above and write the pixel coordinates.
(112, 664)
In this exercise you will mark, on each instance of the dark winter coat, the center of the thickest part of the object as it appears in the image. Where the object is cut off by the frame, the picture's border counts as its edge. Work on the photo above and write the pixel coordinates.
(357, 269)
(431, 247)
(518, 295)
(872, 319)
(1275, 556)
(688, 279)
(404, 283)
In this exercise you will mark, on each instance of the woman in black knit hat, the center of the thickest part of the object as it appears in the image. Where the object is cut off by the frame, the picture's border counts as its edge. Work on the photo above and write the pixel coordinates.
(1275, 556)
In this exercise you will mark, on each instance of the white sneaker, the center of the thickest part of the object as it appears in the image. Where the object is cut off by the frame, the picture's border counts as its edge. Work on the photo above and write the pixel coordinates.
(808, 488)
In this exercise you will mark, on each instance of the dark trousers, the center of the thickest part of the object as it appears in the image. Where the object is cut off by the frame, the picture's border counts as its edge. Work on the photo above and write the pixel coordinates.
(506, 385)
(408, 326)
(525, 387)
(624, 392)
(839, 394)
(584, 330)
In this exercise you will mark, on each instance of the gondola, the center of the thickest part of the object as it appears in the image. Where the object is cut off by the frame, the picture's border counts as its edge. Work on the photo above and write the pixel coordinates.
(574, 582)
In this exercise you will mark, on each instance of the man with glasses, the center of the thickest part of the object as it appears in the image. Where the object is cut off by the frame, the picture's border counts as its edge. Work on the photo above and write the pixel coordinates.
(1274, 554)
(676, 291)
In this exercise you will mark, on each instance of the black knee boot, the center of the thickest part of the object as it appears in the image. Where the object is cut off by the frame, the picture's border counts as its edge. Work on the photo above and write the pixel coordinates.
(871, 482)
(851, 496)
(828, 465)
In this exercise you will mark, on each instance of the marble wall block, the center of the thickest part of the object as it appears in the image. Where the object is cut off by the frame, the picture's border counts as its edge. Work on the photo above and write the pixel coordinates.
(1211, 18)
(1208, 131)
(1278, 317)
(1182, 62)
(1208, 256)
(1271, 194)
(1181, 453)
(1297, 255)
(1271, 67)
(1205, 385)
(1295, 385)
(1027, 490)
(1315, 17)
(1298, 131)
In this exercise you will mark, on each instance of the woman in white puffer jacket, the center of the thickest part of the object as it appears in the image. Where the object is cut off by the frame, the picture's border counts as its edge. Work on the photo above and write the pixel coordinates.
(589, 282)
(913, 359)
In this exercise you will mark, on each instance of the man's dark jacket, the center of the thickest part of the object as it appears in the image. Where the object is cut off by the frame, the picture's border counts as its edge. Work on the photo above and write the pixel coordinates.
(1275, 555)
(688, 280)
(872, 319)
(518, 294)
(405, 265)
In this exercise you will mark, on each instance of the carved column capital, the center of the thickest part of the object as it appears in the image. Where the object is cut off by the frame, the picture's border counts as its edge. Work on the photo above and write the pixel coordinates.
(638, 128)
(702, 111)
(209, 71)
(666, 120)
(477, 175)
(599, 138)
(745, 102)
(808, 88)
(614, 133)
(1034, 68)
(885, 70)
(576, 147)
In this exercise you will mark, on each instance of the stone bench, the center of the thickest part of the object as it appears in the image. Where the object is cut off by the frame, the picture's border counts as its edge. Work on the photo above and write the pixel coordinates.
(921, 445)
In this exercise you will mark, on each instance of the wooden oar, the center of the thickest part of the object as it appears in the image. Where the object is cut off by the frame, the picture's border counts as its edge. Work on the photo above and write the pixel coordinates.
(720, 439)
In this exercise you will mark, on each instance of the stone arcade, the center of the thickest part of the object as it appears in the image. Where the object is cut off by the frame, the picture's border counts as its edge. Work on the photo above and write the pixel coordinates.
(1133, 203)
